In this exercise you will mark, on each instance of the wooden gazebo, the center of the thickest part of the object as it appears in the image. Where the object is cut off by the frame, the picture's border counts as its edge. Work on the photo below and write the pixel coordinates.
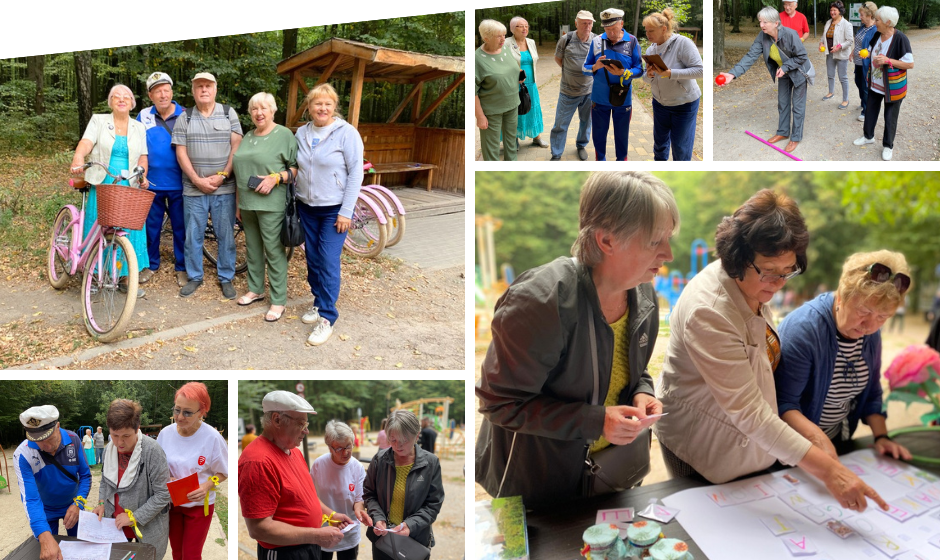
(393, 147)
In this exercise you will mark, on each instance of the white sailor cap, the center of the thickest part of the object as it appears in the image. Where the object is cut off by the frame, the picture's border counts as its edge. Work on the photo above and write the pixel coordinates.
(39, 422)
(611, 16)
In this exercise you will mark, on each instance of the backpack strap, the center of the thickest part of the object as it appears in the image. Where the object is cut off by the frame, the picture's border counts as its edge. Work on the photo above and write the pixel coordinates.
(567, 40)
(189, 112)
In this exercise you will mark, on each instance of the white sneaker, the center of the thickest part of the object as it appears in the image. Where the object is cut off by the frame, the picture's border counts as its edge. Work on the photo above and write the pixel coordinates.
(862, 140)
(886, 154)
(311, 317)
(321, 333)
(861, 117)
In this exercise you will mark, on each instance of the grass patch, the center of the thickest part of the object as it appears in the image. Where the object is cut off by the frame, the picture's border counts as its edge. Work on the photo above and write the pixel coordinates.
(221, 510)
(457, 479)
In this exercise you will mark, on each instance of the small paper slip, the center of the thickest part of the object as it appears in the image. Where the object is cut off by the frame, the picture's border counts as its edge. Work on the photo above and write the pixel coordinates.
(349, 527)
(799, 545)
(896, 511)
(778, 524)
(395, 529)
(78, 550)
(621, 517)
(908, 480)
(651, 419)
(887, 544)
(104, 531)
(658, 512)
(180, 488)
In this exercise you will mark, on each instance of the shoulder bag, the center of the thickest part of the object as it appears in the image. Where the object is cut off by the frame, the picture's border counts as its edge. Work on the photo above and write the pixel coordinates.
(292, 231)
(402, 548)
(525, 100)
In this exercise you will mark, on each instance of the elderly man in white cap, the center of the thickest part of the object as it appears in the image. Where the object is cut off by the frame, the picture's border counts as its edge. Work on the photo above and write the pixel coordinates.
(276, 494)
(52, 473)
(575, 90)
(206, 137)
(793, 19)
(163, 171)
(613, 60)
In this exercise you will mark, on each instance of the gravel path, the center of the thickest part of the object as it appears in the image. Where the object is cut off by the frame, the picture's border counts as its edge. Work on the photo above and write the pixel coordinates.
(750, 103)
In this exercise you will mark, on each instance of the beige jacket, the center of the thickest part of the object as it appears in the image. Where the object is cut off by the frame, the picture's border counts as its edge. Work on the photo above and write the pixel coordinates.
(843, 35)
(718, 387)
(517, 54)
(100, 132)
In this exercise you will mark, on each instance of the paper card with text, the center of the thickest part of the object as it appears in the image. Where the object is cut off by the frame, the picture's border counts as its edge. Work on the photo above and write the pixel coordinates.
(887, 544)
(778, 524)
(799, 545)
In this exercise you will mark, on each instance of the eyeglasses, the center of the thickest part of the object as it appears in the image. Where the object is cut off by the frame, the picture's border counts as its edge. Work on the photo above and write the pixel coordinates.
(303, 426)
(879, 274)
(186, 413)
(769, 278)
(341, 449)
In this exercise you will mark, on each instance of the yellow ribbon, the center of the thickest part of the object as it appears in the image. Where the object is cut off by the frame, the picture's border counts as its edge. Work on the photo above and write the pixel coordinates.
(205, 504)
(130, 515)
(329, 519)
(625, 76)
(81, 502)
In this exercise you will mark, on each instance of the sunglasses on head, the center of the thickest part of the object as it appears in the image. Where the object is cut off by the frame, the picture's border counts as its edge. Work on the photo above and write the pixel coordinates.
(879, 274)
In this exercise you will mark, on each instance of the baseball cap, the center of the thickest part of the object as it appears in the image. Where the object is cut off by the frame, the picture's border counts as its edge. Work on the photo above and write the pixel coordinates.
(584, 14)
(204, 76)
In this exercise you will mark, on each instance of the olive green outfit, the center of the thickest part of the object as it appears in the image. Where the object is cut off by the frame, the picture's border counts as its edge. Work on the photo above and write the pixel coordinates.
(262, 215)
(497, 86)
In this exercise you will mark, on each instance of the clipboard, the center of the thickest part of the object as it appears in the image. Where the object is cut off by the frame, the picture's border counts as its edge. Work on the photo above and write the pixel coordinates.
(655, 60)
(180, 488)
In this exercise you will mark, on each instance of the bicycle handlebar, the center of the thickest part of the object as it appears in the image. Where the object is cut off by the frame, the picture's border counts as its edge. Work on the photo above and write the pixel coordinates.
(125, 175)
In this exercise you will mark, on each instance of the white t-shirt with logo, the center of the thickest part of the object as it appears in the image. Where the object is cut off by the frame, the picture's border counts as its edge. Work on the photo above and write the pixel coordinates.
(339, 487)
(204, 453)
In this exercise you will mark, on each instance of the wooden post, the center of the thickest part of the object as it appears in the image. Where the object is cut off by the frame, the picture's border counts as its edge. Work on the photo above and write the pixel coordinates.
(440, 99)
(293, 105)
(416, 108)
(355, 95)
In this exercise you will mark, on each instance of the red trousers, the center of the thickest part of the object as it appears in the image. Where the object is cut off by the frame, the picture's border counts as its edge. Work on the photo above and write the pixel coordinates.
(188, 530)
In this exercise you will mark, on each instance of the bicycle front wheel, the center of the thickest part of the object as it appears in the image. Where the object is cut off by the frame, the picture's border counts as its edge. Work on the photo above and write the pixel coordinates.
(367, 235)
(106, 307)
(60, 249)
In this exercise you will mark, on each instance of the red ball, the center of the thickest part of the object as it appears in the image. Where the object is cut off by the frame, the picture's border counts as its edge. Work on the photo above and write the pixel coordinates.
(720, 80)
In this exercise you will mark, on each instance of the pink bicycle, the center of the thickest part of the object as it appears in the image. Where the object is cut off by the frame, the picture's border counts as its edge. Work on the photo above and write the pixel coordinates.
(107, 299)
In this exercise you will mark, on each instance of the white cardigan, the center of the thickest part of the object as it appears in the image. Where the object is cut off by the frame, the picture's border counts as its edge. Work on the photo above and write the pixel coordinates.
(517, 54)
(843, 35)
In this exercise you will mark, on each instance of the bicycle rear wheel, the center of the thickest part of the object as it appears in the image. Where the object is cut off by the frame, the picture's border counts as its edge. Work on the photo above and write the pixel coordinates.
(60, 249)
(107, 308)
(210, 247)
(396, 221)
(367, 235)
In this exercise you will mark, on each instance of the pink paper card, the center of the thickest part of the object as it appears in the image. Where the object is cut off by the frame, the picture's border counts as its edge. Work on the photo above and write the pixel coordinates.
(924, 498)
(621, 515)
(856, 468)
(896, 512)
(180, 488)
(778, 524)
(888, 469)
(887, 544)
(799, 545)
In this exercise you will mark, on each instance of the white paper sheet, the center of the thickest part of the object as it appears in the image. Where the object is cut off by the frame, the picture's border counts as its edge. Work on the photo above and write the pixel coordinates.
(350, 527)
(733, 531)
(78, 550)
(104, 531)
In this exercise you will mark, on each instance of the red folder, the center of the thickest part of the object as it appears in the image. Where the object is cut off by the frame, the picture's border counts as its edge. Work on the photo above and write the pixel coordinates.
(180, 488)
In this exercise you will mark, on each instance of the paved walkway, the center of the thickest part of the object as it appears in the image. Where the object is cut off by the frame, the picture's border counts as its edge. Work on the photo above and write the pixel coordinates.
(640, 146)
(432, 242)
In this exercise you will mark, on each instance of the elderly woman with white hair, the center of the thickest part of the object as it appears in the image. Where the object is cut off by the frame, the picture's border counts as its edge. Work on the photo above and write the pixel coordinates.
(786, 60)
(339, 483)
(572, 339)
(265, 162)
(119, 142)
(496, 100)
(891, 58)
(524, 51)
(403, 485)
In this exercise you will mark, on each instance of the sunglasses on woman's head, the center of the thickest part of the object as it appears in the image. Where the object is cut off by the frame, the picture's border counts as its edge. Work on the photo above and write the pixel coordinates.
(879, 274)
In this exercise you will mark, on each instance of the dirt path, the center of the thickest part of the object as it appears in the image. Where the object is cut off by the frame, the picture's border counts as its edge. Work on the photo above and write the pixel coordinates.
(750, 103)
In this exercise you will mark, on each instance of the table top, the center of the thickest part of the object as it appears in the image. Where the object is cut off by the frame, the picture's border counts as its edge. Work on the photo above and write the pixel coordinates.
(29, 550)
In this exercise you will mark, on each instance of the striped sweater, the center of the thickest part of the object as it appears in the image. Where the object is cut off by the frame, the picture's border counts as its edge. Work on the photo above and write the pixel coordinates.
(895, 79)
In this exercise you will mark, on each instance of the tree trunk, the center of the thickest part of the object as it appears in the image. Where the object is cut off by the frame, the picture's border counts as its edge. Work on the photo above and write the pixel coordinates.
(735, 16)
(288, 49)
(83, 79)
(35, 66)
(718, 40)
(636, 17)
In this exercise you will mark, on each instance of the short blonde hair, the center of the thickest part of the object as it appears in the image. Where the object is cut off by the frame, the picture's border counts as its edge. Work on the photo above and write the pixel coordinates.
(665, 19)
(855, 284)
(869, 8)
(624, 204)
(323, 90)
(121, 88)
(263, 98)
(491, 27)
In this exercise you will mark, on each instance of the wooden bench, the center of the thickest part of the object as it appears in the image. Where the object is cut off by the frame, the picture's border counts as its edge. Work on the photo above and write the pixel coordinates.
(693, 30)
(404, 167)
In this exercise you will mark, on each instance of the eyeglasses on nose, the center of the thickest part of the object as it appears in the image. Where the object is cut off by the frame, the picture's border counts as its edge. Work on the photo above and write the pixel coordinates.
(186, 413)
(341, 449)
(776, 277)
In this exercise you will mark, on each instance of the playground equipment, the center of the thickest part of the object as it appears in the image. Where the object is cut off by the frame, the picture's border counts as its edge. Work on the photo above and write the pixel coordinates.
(670, 286)
(487, 282)
(3, 481)
(449, 439)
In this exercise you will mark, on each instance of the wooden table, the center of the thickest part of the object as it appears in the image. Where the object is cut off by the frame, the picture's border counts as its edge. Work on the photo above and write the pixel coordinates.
(29, 550)
(404, 167)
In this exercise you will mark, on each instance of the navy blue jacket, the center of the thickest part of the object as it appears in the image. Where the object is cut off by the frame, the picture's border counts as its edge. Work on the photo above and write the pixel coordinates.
(163, 170)
(808, 347)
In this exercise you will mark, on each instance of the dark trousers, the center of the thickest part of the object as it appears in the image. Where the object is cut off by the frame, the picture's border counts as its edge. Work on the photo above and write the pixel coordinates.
(674, 125)
(348, 554)
(892, 111)
(294, 552)
(600, 121)
(861, 82)
(53, 520)
(323, 247)
(791, 103)
(166, 202)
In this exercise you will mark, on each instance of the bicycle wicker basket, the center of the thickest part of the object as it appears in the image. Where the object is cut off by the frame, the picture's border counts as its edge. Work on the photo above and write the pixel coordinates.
(122, 206)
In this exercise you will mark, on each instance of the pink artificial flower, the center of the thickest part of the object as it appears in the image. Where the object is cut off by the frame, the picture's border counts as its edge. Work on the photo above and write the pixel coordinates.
(910, 366)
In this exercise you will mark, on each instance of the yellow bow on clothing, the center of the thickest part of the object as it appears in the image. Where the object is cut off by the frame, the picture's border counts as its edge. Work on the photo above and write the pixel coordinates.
(81, 502)
(205, 503)
(625, 76)
(130, 515)
(329, 519)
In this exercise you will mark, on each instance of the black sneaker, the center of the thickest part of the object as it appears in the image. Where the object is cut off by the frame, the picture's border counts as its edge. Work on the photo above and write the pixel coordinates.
(555, 158)
(190, 287)
(582, 154)
(228, 291)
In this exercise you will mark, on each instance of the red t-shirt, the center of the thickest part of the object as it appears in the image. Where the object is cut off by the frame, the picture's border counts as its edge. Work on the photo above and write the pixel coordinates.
(123, 460)
(797, 23)
(274, 484)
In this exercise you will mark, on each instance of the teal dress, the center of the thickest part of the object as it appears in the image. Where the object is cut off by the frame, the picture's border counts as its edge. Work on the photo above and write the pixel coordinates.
(138, 237)
(529, 125)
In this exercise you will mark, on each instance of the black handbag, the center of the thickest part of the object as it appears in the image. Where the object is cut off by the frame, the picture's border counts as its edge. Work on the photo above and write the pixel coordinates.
(616, 467)
(525, 100)
(292, 231)
(399, 547)
(617, 95)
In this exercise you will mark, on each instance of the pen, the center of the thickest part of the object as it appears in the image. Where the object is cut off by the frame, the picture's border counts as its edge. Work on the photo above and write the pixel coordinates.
(126, 556)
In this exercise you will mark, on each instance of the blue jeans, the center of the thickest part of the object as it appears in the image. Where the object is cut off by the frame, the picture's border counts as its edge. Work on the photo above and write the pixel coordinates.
(99, 451)
(861, 82)
(166, 202)
(600, 120)
(563, 113)
(675, 125)
(196, 211)
(323, 247)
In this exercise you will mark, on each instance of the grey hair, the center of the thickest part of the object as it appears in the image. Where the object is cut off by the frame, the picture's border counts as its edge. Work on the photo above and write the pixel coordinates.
(403, 423)
(624, 204)
(512, 22)
(770, 15)
(888, 15)
(263, 98)
(338, 432)
(122, 87)
(267, 420)
(491, 27)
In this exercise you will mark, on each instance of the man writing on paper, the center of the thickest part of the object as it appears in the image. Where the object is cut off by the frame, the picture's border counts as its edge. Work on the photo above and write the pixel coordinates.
(51, 472)
(278, 499)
